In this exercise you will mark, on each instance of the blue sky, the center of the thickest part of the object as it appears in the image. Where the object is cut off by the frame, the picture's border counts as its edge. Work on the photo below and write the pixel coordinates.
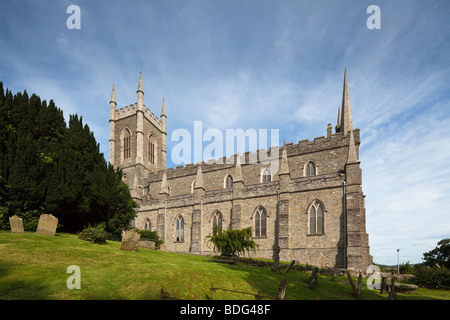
(264, 64)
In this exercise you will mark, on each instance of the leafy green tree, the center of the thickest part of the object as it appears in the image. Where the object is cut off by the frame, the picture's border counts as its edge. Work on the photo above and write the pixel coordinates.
(439, 255)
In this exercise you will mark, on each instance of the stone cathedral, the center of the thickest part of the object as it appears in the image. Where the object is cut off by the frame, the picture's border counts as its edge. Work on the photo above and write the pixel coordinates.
(314, 203)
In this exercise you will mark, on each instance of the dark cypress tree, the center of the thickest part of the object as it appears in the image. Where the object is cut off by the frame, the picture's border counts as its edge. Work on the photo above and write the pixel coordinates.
(48, 167)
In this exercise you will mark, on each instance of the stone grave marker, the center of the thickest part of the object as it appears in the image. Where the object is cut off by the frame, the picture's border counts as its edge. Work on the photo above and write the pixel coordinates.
(282, 289)
(47, 225)
(16, 224)
(359, 286)
(130, 240)
(313, 278)
(350, 279)
(290, 266)
(392, 294)
(383, 284)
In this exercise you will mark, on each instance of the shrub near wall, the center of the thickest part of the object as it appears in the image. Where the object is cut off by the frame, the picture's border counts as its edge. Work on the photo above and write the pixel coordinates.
(434, 278)
(96, 234)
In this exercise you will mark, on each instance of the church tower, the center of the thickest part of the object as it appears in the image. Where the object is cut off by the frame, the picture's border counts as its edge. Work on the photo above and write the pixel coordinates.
(137, 143)
(357, 255)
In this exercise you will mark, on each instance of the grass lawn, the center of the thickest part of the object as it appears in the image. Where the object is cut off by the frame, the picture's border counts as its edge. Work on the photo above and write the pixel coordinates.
(35, 267)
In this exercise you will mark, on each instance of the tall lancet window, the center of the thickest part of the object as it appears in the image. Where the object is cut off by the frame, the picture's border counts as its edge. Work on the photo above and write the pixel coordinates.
(151, 148)
(260, 222)
(179, 229)
(217, 222)
(147, 224)
(316, 218)
(228, 182)
(126, 144)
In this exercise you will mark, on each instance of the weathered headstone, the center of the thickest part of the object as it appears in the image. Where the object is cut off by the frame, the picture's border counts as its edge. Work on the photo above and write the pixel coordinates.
(147, 243)
(130, 240)
(282, 289)
(313, 278)
(47, 225)
(392, 294)
(383, 284)
(359, 285)
(16, 224)
(355, 291)
(290, 266)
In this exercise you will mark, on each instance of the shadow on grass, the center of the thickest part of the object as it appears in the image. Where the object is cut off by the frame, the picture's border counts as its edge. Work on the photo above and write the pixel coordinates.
(267, 282)
(20, 289)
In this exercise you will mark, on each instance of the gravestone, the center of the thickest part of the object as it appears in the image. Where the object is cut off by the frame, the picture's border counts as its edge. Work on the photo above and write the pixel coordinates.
(313, 278)
(359, 285)
(392, 295)
(47, 225)
(290, 266)
(383, 284)
(350, 279)
(130, 240)
(282, 289)
(147, 243)
(16, 224)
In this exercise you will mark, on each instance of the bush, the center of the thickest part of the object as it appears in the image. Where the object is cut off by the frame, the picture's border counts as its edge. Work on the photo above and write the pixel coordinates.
(233, 242)
(96, 234)
(433, 278)
(151, 235)
(407, 268)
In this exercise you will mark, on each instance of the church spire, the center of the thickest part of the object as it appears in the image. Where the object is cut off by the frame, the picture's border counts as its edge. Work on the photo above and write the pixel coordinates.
(346, 111)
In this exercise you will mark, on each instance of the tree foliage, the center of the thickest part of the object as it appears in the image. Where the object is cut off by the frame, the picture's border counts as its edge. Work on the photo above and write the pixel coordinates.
(439, 255)
(232, 242)
(47, 166)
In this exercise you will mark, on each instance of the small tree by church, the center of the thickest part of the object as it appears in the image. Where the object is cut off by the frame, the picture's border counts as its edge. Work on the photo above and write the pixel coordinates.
(233, 242)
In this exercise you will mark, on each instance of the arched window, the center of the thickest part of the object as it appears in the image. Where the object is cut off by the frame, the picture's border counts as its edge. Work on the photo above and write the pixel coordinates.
(217, 221)
(179, 229)
(147, 224)
(310, 169)
(228, 182)
(316, 218)
(266, 175)
(151, 148)
(192, 186)
(126, 144)
(260, 222)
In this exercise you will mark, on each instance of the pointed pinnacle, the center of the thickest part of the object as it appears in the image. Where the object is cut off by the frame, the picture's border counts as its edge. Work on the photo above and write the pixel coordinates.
(199, 178)
(163, 111)
(113, 94)
(140, 87)
(346, 112)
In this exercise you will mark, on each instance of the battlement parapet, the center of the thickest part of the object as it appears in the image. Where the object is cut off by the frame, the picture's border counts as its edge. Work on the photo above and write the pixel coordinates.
(132, 109)
(321, 143)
